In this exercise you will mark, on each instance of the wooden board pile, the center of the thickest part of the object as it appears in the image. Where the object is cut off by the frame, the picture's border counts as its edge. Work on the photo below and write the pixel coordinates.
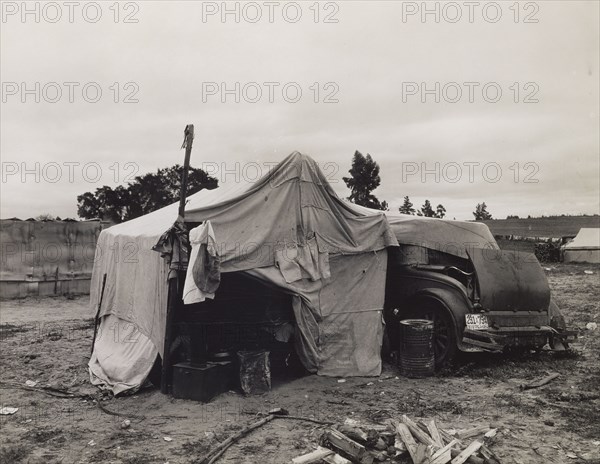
(407, 441)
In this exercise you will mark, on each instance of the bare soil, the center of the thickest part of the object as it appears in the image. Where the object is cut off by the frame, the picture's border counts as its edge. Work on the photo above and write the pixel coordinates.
(48, 341)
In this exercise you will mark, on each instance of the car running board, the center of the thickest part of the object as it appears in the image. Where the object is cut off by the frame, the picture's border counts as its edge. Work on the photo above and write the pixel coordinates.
(478, 340)
(482, 341)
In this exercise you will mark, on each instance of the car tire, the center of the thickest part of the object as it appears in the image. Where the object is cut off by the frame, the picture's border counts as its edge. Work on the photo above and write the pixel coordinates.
(444, 338)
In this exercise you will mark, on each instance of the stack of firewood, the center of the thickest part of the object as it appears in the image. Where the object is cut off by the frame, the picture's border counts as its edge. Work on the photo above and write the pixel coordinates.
(421, 442)
(547, 252)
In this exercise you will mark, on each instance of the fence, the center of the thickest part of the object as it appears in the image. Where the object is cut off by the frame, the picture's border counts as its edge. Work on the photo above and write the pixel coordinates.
(46, 257)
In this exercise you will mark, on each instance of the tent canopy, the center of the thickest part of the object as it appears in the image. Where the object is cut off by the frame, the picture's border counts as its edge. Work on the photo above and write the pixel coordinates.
(586, 239)
(289, 229)
(584, 248)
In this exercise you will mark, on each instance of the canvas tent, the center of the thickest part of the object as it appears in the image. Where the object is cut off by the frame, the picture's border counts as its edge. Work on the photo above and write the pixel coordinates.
(584, 248)
(288, 229)
(448, 236)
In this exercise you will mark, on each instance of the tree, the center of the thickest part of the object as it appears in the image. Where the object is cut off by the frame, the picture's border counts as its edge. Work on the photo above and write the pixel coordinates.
(440, 211)
(106, 203)
(364, 178)
(407, 206)
(426, 210)
(45, 217)
(481, 213)
(145, 194)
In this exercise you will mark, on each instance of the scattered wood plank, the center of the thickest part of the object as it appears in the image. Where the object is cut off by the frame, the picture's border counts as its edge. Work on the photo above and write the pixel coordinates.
(467, 452)
(490, 435)
(354, 433)
(422, 425)
(349, 447)
(540, 382)
(473, 459)
(379, 456)
(435, 433)
(279, 412)
(409, 441)
(336, 459)
(418, 451)
(422, 454)
(472, 432)
(399, 445)
(418, 433)
(489, 455)
(313, 457)
(365, 426)
(447, 436)
(443, 455)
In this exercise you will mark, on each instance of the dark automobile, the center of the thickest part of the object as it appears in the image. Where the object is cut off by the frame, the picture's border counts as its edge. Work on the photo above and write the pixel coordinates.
(480, 298)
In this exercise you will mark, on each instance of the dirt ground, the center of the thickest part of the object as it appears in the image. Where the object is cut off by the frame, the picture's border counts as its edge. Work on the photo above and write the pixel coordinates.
(48, 341)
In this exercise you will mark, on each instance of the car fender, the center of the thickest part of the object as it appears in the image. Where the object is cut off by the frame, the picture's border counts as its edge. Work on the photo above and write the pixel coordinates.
(453, 302)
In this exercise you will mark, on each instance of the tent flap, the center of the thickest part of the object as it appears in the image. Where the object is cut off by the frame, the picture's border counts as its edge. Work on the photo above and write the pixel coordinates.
(122, 357)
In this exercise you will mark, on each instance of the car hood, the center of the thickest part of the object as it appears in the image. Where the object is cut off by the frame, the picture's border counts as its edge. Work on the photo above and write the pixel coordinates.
(510, 280)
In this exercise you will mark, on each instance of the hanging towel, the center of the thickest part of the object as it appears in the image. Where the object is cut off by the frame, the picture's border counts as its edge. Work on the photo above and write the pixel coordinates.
(204, 271)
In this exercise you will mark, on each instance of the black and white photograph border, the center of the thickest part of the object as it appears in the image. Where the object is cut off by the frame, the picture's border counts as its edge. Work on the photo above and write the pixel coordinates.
(300, 231)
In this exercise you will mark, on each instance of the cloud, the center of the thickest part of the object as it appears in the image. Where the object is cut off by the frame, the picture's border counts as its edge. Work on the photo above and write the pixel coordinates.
(364, 61)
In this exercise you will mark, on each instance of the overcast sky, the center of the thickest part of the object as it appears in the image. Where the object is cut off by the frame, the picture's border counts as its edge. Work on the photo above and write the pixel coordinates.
(534, 149)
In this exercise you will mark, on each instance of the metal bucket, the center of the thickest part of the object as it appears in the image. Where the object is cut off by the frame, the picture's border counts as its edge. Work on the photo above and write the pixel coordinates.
(416, 356)
(255, 372)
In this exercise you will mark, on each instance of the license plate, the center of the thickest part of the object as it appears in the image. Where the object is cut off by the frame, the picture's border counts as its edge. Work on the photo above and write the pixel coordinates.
(476, 321)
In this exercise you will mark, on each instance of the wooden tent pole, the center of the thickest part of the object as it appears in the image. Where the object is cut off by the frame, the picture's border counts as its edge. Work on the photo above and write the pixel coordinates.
(98, 314)
(187, 143)
(174, 283)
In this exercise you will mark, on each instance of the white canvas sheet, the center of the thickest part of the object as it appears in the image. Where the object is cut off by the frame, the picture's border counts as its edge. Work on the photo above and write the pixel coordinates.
(122, 357)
